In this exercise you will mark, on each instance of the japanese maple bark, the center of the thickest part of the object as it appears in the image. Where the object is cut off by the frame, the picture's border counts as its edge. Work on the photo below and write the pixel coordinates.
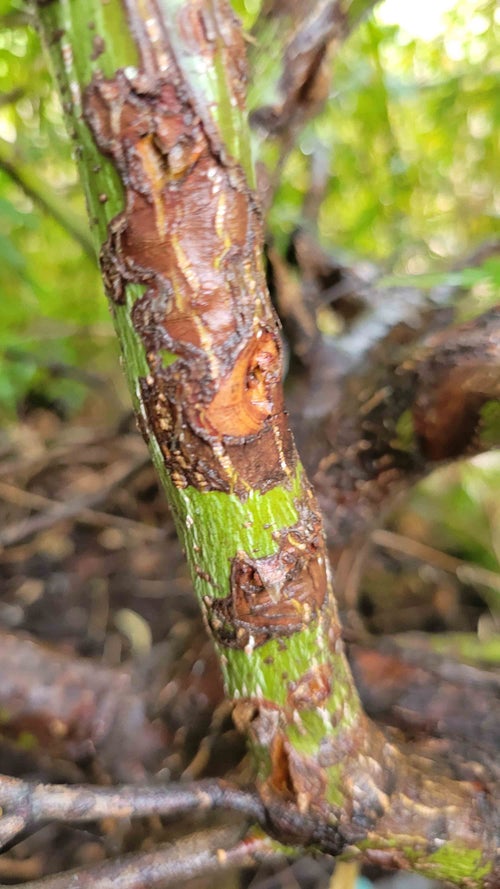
(155, 95)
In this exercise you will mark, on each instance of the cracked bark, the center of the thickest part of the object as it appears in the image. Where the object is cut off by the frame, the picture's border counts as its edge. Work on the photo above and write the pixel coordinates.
(159, 120)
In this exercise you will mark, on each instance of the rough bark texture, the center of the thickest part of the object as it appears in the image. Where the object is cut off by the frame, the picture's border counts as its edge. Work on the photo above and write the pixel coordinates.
(181, 260)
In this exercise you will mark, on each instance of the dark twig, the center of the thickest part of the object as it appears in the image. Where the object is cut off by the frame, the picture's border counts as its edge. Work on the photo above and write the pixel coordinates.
(400, 390)
(301, 34)
(465, 571)
(203, 853)
(300, 38)
(394, 407)
(88, 515)
(26, 804)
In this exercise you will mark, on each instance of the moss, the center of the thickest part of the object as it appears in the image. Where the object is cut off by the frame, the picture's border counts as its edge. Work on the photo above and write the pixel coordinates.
(27, 741)
(79, 24)
(261, 760)
(456, 864)
(306, 738)
(167, 358)
(490, 424)
(334, 779)
(405, 432)
(266, 672)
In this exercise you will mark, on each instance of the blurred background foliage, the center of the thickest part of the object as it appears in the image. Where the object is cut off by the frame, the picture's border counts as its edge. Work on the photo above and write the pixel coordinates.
(410, 142)
(407, 153)
(53, 312)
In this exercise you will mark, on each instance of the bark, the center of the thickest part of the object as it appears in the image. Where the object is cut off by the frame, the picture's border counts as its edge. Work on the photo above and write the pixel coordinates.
(25, 804)
(401, 416)
(199, 855)
(155, 93)
(75, 708)
(404, 388)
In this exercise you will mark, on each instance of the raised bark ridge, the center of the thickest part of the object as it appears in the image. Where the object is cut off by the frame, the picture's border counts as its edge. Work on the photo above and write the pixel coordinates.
(212, 400)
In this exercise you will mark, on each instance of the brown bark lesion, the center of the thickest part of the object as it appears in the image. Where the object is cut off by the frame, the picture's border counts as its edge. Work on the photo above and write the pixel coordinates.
(458, 373)
(273, 596)
(211, 340)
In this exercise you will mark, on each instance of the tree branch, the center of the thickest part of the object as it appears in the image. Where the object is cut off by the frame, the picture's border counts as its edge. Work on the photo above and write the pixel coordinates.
(290, 59)
(296, 39)
(201, 854)
(60, 512)
(159, 115)
(397, 420)
(24, 804)
(402, 390)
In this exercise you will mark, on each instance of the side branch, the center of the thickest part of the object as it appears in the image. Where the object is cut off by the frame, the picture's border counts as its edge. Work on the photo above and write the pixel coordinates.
(201, 854)
(290, 58)
(299, 38)
(403, 411)
(401, 391)
(24, 804)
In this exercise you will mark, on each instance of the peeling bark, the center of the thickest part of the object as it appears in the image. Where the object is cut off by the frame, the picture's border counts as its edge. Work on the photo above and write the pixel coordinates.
(214, 358)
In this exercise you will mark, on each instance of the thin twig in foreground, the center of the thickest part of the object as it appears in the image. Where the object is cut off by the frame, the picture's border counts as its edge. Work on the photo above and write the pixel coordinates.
(204, 853)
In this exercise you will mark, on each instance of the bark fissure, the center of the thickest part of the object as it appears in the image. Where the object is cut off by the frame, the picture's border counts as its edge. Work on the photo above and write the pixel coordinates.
(220, 388)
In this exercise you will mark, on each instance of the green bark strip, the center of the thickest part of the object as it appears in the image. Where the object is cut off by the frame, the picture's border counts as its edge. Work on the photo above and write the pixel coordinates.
(209, 85)
(154, 94)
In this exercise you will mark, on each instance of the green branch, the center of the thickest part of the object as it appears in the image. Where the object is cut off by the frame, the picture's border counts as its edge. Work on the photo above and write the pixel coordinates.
(154, 93)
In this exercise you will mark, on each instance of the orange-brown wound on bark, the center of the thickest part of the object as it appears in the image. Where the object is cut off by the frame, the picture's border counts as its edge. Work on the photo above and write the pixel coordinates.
(280, 778)
(244, 399)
